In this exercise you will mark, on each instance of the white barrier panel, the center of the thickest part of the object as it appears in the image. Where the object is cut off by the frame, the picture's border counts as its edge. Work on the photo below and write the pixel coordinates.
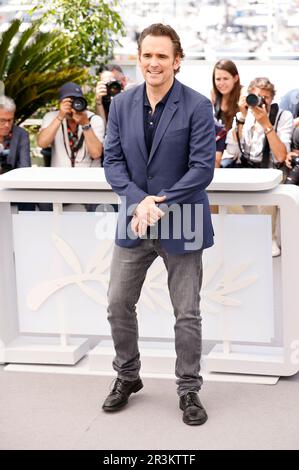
(71, 268)
(56, 266)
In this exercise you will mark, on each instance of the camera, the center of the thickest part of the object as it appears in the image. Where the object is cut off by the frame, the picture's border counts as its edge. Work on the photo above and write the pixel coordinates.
(255, 100)
(4, 166)
(114, 87)
(293, 176)
(79, 104)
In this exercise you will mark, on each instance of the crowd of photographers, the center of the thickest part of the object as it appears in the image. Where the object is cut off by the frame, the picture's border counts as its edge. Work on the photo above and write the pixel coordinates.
(251, 131)
(70, 136)
(259, 132)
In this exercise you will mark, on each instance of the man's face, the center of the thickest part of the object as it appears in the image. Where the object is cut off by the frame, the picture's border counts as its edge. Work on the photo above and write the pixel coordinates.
(6, 122)
(157, 61)
(107, 76)
(266, 94)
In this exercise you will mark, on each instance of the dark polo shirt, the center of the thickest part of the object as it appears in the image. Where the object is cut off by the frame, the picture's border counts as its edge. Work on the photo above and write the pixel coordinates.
(150, 119)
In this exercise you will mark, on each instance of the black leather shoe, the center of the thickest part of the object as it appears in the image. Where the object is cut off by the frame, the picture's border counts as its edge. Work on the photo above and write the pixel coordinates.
(194, 412)
(120, 394)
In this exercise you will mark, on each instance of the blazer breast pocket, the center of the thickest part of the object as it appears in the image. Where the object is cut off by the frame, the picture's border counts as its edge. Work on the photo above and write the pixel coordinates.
(178, 133)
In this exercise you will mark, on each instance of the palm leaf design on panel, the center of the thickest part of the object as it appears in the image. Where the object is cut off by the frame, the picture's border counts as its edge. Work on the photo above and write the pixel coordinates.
(155, 292)
(97, 270)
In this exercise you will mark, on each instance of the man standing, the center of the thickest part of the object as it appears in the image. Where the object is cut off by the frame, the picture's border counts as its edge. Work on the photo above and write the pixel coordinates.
(160, 148)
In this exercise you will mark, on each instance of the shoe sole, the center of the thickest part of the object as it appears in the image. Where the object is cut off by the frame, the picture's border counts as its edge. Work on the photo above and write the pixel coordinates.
(195, 422)
(136, 389)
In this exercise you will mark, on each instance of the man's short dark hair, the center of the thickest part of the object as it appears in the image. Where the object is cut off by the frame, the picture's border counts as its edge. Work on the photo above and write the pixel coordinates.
(112, 67)
(159, 29)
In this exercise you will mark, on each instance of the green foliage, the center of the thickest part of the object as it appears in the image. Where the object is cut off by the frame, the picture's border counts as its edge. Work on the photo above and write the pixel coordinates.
(33, 65)
(91, 28)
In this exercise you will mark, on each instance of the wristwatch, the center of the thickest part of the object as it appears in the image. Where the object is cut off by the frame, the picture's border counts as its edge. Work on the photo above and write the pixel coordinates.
(268, 129)
(86, 127)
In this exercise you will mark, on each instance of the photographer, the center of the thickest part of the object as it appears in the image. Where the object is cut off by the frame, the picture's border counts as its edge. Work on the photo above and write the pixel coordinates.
(261, 137)
(290, 101)
(292, 160)
(14, 141)
(112, 81)
(74, 133)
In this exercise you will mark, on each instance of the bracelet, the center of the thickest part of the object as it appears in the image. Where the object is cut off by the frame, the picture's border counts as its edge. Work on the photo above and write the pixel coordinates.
(268, 130)
(99, 103)
(59, 119)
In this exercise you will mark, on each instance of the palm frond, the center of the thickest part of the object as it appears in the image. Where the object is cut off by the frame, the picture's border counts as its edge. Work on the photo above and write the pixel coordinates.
(17, 57)
(35, 68)
(37, 90)
(5, 42)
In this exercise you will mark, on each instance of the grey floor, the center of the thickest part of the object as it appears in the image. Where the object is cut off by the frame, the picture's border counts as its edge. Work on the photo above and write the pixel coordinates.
(55, 411)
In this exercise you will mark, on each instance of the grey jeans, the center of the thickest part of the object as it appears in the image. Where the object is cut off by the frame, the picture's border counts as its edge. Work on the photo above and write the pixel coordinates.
(128, 271)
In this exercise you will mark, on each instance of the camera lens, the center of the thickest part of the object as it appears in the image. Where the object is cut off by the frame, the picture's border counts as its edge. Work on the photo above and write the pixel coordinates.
(253, 100)
(295, 162)
(79, 104)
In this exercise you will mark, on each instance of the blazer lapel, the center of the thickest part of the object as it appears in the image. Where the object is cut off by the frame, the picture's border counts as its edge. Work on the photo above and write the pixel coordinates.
(167, 115)
(13, 146)
(138, 127)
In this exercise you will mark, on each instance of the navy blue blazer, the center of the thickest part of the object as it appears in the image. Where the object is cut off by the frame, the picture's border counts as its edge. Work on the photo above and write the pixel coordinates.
(19, 152)
(180, 165)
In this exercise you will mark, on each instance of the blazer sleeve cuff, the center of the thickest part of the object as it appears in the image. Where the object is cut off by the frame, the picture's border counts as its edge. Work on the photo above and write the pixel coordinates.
(135, 196)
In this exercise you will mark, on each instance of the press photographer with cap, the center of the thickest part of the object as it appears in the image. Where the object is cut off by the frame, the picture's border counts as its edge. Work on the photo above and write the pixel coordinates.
(74, 134)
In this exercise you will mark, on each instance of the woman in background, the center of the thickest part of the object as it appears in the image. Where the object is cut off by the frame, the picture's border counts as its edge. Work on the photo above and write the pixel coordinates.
(226, 92)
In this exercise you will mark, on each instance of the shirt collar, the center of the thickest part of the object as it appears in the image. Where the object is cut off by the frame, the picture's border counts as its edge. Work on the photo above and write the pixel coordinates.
(162, 101)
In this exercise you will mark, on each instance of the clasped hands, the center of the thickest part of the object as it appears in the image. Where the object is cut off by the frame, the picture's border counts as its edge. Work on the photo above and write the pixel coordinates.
(146, 214)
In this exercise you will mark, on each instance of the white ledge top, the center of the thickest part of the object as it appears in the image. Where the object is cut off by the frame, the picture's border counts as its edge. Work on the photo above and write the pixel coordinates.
(94, 179)
(245, 179)
(55, 178)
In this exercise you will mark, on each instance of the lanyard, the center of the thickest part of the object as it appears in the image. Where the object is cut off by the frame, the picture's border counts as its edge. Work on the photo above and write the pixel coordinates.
(74, 143)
